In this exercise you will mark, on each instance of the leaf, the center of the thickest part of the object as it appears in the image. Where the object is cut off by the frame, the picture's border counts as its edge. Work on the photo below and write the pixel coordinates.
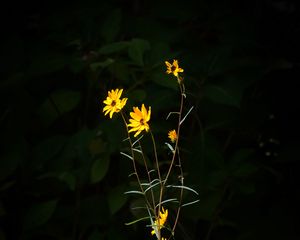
(69, 179)
(190, 203)
(116, 198)
(134, 192)
(39, 214)
(245, 170)
(113, 47)
(99, 169)
(94, 66)
(240, 165)
(183, 187)
(137, 49)
(121, 70)
(221, 95)
(163, 79)
(65, 100)
(57, 103)
(137, 220)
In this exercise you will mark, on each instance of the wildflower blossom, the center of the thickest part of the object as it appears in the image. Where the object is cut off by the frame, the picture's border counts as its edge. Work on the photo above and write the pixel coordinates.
(173, 68)
(113, 102)
(139, 120)
(172, 135)
(160, 221)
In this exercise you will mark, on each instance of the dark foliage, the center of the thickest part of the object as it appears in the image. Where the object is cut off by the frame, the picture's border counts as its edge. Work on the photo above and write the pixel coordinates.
(61, 174)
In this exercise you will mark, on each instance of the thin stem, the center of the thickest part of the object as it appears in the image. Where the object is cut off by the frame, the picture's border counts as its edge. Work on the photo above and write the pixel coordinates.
(161, 183)
(134, 165)
(148, 174)
(155, 154)
(182, 93)
(178, 133)
(132, 154)
(181, 191)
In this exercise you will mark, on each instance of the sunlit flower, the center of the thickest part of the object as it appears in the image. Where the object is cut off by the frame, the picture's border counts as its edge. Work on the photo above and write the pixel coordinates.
(113, 102)
(173, 68)
(160, 221)
(139, 120)
(172, 135)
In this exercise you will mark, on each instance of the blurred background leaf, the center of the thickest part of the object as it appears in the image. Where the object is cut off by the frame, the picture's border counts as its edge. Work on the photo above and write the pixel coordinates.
(61, 172)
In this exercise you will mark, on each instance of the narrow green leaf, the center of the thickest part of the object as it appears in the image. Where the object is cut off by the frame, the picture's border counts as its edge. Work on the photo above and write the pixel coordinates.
(135, 221)
(168, 200)
(126, 155)
(183, 187)
(190, 203)
(134, 192)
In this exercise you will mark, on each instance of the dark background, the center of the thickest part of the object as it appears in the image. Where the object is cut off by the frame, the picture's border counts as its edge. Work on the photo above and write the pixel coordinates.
(61, 173)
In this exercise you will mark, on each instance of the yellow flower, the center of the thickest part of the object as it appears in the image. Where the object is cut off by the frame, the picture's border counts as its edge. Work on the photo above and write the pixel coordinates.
(160, 221)
(173, 68)
(113, 102)
(139, 120)
(172, 135)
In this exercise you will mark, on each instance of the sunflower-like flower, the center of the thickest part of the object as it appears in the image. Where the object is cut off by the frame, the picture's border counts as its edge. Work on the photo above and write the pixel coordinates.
(139, 120)
(173, 68)
(160, 221)
(172, 135)
(113, 102)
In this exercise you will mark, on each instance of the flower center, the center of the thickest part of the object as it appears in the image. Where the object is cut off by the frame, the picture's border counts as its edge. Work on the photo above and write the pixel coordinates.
(113, 103)
(173, 68)
(142, 121)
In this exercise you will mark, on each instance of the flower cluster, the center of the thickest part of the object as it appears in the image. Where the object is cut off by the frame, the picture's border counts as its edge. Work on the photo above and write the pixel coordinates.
(139, 118)
(138, 123)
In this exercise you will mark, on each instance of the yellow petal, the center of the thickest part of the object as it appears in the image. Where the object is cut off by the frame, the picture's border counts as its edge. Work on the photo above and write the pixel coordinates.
(135, 116)
(120, 93)
(175, 63)
(168, 64)
(137, 133)
(144, 112)
(149, 115)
